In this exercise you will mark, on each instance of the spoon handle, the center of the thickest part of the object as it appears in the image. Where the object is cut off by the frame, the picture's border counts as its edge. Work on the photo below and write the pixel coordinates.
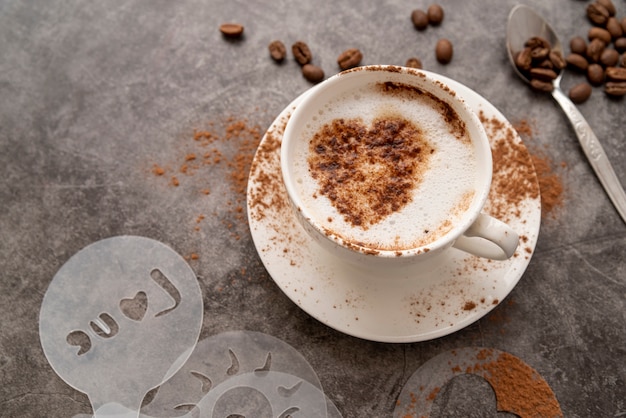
(594, 152)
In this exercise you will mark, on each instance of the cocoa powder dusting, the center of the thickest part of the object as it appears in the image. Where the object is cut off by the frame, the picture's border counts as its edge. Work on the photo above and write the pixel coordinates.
(452, 119)
(344, 155)
(550, 183)
(519, 389)
(514, 179)
(229, 143)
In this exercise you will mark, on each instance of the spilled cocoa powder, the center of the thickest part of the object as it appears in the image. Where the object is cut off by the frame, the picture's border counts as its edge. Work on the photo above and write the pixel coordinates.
(549, 179)
(519, 389)
(230, 144)
(514, 179)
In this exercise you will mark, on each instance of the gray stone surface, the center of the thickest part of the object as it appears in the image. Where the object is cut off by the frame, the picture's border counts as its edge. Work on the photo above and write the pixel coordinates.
(92, 93)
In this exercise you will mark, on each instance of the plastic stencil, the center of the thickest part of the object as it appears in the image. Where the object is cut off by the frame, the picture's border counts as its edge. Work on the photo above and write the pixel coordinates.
(120, 318)
(242, 373)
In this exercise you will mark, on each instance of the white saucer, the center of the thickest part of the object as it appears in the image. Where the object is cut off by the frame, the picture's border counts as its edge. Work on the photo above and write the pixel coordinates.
(400, 305)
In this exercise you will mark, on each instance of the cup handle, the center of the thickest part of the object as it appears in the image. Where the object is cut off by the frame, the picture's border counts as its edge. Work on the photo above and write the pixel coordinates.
(488, 238)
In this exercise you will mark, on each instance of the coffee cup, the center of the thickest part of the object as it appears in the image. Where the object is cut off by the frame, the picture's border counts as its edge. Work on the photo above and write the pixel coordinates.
(387, 165)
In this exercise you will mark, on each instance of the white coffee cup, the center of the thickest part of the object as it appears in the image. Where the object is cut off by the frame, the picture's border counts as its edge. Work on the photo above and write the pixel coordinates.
(385, 164)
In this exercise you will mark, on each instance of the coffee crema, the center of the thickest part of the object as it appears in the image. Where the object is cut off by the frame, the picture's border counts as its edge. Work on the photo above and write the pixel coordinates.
(387, 167)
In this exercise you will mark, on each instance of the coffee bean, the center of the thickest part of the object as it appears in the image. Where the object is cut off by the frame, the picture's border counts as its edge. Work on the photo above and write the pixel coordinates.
(435, 14)
(595, 74)
(623, 24)
(539, 54)
(312, 73)
(578, 45)
(278, 52)
(614, 28)
(620, 44)
(547, 63)
(537, 42)
(608, 5)
(349, 58)
(523, 60)
(557, 60)
(301, 52)
(414, 63)
(419, 19)
(543, 74)
(597, 14)
(616, 89)
(444, 51)
(594, 49)
(580, 93)
(609, 57)
(616, 74)
(577, 61)
(231, 30)
(599, 33)
(540, 85)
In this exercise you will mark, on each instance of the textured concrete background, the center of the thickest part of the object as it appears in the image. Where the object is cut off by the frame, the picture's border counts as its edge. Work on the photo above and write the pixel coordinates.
(92, 93)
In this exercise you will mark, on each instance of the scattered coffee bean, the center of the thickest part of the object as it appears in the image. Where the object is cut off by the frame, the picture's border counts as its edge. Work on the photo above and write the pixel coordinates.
(595, 74)
(609, 57)
(597, 14)
(312, 73)
(444, 51)
(616, 89)
(623, 24)
(614, 28)
(594, 50)
(620, 44)
(278, 52)
(349, 58)
(616, 74)
(599, 33)
(301, 52)
(577, 62)
(419, 19)
(578, 45)
(231, 30)
(580, 93)
(608, 5)
(435, 14)
(414, 63)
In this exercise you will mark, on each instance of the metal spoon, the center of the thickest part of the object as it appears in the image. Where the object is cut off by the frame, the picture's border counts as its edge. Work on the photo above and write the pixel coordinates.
(525, 23)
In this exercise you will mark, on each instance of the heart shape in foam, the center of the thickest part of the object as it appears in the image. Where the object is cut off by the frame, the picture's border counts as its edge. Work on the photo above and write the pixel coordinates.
(345, 152)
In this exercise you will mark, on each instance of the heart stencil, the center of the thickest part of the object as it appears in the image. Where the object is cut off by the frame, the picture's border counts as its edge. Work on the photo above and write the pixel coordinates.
(136, 307)
(369, 172)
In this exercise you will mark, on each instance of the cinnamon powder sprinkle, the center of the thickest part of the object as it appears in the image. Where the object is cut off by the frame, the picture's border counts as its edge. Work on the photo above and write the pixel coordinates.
(550, 183)
(514, 177)
(519, 388)
(212, 147)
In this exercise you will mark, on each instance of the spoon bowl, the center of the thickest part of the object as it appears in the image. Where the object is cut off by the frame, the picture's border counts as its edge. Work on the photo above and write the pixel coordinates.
(523, 24)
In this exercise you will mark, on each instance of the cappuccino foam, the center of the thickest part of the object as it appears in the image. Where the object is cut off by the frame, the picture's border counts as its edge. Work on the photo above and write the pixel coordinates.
(386, 167)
